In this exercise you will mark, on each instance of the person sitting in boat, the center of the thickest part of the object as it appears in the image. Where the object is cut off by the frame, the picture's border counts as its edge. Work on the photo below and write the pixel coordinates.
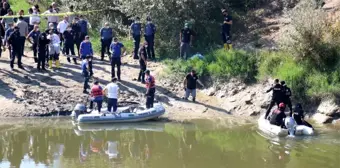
(299, 116)
(97, 96)
(278, 115)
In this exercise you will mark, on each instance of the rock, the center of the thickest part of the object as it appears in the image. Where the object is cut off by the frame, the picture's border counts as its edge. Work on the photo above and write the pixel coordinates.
(247, 99)
(329, 108)
(255, 112)
(211, 91)
(322, 118)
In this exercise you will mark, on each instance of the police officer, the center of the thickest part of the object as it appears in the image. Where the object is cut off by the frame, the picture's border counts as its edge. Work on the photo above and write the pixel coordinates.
(286, 94)
(69, 40)
(226, 26)
(15, 45)
(149, 34)
(150, 89)
(34, 34)
(136, 28)
(277, 95)
(142, 62)
(42, 49)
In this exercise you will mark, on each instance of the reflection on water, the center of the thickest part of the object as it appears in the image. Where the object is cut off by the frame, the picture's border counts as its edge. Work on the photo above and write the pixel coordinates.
(162, 145)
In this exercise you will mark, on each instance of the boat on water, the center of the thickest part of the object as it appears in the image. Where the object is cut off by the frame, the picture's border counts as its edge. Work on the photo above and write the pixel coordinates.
(298, 130)
(127, 114)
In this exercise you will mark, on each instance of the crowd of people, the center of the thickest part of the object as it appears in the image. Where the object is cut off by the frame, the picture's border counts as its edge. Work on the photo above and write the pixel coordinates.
(61, 37)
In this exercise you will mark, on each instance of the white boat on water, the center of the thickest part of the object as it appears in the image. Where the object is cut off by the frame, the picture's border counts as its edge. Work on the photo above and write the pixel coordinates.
(123, 115)
(299, 130)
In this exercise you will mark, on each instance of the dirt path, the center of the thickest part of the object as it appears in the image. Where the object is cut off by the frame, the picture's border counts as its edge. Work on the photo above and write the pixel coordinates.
(34, 93)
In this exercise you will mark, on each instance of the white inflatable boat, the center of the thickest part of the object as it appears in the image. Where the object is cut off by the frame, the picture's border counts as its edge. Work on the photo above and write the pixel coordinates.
(123, 115)
(299, 130)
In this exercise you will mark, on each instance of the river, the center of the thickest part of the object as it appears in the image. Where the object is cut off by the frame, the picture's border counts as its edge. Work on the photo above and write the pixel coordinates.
(195, 144)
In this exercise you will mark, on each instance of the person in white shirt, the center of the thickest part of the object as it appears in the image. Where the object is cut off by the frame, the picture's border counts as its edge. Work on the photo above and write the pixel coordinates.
(34, 18)
(54, 49)
(52, 19)
(112, 93)
(62, 26)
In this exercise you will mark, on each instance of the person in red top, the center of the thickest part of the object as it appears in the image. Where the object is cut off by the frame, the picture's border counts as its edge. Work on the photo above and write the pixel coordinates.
(150, 89)
(97, 96)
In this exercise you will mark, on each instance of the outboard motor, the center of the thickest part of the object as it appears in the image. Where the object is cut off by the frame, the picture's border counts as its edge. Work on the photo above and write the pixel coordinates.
(290, 125)
(79, 109)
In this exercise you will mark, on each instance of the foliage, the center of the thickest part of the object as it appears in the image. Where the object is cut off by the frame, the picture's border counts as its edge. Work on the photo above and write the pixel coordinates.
(219, 64)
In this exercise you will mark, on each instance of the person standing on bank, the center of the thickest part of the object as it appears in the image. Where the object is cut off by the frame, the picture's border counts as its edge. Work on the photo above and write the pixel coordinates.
(86, 50)
(142, 62)
(23, 29)
(8, 32)
(54, 49)
(190, 85)
(149, 34)
(62, 26)
(52, 19)
(76, 28)
(85, 73)
(117, 50)
(150, 89)
(106, 34)
(186, 37)
(14, 42)
(112, 93)
(83, 27)
(34, 34)
(226, 26)
(69, 38)
(136, 28)
(42, 50)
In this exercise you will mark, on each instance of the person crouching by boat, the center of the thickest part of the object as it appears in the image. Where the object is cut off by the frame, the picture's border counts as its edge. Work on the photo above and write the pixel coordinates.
(150, 89)
(97, 96)
(112, 93)
(278, 115)
(54, 49)
(299, 116)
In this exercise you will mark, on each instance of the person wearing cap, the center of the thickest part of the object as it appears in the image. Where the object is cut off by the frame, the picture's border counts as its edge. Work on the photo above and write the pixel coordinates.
(150, 89)
(62, 26)
(226, 26)
(69, 36)
(117, 49)
(52, 19)
(142, 62)
(42, 46)
(85, 72)
(54, 49)
(14, 40)
(286, 94)
(190, 85)
(106, 34)
(86, 50)
(112, 93)
(149, 35)
(186, 35)
(23, 29)
(135, 30)
(97, 96)
(34, 34)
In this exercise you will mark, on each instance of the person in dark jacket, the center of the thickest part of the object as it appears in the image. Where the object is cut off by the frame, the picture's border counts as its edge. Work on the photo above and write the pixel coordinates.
(286, 94)
(69, 38)
(226, 26)
(278, 115)
(149, 34)
(14, 41)
(277, 95)
(150, 89)
(299, 116)
(136, 28)
(76, 29)
(106, 34)
(85, 72)
(34, 34)
(186, 36)
(42, 49)
(142, 62)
